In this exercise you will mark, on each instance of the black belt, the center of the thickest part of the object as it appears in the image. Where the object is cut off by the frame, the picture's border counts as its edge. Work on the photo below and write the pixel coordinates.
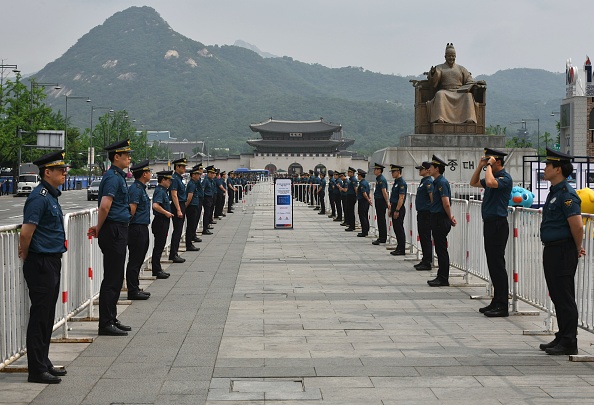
(56, 255)
(557, 242)
(117, 223)
(139, 224)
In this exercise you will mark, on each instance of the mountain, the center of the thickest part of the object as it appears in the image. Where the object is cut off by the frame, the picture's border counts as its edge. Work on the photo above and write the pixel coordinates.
(254, 48)
(136, 62)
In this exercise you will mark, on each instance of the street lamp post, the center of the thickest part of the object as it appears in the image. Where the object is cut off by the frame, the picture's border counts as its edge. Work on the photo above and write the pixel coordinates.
(91, 159)
(3, 67)
(88, 100)
(34, 84)
(537, 131)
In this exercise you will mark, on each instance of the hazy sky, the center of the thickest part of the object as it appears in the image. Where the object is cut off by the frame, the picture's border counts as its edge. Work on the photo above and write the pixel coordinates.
(387, 36)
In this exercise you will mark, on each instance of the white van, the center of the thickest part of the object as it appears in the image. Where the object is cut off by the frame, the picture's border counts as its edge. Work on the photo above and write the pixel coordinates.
(27, 182)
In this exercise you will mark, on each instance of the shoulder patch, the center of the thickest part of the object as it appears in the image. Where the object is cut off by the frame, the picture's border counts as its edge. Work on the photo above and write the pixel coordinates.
(440, 188)
(568, 202)
(43, 192)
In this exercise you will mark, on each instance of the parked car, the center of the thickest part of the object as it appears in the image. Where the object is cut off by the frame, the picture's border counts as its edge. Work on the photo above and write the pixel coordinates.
(153, 183)
(93, 191)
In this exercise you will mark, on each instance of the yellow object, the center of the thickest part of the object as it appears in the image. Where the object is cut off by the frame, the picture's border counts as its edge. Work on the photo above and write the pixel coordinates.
(587, 197)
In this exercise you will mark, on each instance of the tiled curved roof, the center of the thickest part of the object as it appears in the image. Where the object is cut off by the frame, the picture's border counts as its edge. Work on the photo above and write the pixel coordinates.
(295, 126)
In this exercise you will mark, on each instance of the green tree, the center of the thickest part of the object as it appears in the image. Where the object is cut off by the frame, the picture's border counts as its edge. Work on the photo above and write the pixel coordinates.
(517, 142)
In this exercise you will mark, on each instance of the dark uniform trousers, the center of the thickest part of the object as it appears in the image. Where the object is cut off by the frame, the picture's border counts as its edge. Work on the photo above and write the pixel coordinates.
(160, 228)
(113, 240)
(495, 235)
(192, 224)
(398, 225)
(230, 200)
(178, 226)
(322, 201)
(363, 211)
(424, 230)
(219, 204)
(42, 273)
(332, 203)
(380, 213)
(351, 200)
(138, 243)
(560, 264)
(338, 204)
(208, 210)
(440, 227)
(343, 199)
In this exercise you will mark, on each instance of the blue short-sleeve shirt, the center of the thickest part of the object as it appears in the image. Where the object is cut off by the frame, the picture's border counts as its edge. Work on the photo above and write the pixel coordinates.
(161, 197)
(423, 199)
(380, 184)
(398, 188)
(113, 184)
(137, 195)
(562, 203)
(363, 188)
(178, 185)
(496, 199)
(43, 210)
(353, 183)
(441, 188)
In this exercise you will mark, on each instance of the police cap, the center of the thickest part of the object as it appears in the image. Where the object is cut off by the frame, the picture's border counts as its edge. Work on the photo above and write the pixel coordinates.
(139, 167)
(53, 159)
(361, 172)
(119, 147)
(211, 169)
(497, 154)
(424, 165)
(554, 156)
(378, 166)
(437, 161)
(166, 174)
(180, 162)
(351, 169)
(396, 167)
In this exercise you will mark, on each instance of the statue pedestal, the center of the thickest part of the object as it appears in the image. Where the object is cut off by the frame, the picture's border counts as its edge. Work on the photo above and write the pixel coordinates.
(453, 140)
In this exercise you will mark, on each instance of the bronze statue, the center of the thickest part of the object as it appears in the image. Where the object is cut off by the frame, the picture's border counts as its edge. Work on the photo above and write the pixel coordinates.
(453, 101)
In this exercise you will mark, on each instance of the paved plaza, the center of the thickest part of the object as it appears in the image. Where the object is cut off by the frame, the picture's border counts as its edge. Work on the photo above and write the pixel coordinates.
(312, 315)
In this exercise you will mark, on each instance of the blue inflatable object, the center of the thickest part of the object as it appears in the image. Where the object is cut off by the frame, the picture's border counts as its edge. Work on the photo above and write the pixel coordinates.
(520, 197)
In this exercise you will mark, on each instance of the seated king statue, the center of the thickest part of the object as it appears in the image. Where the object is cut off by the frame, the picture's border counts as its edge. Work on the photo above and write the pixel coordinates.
(453, 102)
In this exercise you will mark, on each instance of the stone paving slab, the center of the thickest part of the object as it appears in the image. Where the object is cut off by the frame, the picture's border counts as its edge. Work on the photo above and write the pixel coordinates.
(304, 316)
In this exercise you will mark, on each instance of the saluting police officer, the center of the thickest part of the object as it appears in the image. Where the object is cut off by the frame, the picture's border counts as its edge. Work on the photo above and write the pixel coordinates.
(112, 230)
(397, 209)
(41, 244)
(561, 233)
(193, 207)
(363, 202)
(382, 203)
(497, 185)
(423, 201)
(178, 196)
(351, 200)
(442, 221)
(138, 234)
(161, 221)
(208, 185)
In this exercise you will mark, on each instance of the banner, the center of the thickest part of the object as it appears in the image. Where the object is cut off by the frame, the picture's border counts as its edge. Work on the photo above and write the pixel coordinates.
(283, 204)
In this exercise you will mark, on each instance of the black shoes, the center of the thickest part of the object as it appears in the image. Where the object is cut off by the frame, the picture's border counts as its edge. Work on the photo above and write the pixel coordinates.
(361, 235)
(161, 275)
(488, 308)
(44, 378)
(197, 240)
(140, 295)
(497, 312)
(192, 248)
(377, 242)
(112, 330)
(423, 266)
(545, 346)
(337, 220)
(397, 253)
(437, 282)
(321, 213)
(343, 223)
(230, 212)
(177, 259)
(206, 232)
(561, 350)
(57, 372)
(121, 326)
(349, 229)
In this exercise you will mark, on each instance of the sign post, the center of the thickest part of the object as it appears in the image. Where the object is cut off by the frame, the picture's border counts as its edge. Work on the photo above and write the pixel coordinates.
(283, 204)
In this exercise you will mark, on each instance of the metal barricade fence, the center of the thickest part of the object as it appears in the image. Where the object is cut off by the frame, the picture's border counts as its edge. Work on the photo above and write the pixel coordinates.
(585, 278)
(14, 298)
(457, 247)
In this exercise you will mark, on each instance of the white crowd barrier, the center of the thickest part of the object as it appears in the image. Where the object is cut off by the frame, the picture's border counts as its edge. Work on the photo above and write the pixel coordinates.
(81, 277)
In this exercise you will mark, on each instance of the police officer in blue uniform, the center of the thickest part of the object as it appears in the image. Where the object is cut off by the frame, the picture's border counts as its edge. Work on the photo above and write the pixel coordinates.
(363, 202)
(397, 209)
(337, 196)
(178, 196)
(220, 196)
(351, 200)
(497, 185)
(193, 207)
(41, 244)
(343, 197)
(442, 221)
(138, 233)
(209, 187)
(161, 221)
(322, 193)
(423, 201)
(561, 233)
(112, 231)
(231, 190)
(382, 203)
(331, 183)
